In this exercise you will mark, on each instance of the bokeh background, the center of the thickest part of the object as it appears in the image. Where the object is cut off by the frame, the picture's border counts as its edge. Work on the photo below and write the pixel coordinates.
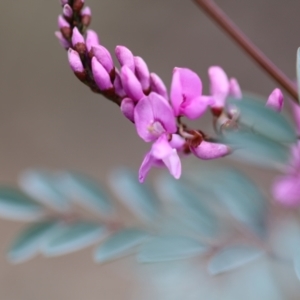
(48, 119)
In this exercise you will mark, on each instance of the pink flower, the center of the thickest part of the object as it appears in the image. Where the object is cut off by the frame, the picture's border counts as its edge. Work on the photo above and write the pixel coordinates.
(186, 91)
(161, 154)
(275, 100)
(207, 150)
(153, 116)
(221, 87)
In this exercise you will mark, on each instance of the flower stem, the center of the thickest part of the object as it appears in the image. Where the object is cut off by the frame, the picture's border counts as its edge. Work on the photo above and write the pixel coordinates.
(214, 11)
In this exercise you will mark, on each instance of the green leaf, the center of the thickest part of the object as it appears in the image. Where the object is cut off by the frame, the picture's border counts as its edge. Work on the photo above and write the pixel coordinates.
(298, 72)
(233, 257)
(17, 206)
(73, 237)
(87, 192)
(170, 247)
(44, 187)
(263, 120)
(120, 244)
(192, 210)
(253, 148)
(139, 198)
(29, 241)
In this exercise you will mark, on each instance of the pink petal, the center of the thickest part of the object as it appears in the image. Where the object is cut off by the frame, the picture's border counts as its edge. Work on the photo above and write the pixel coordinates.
(64, 43)
(77, 37)
(67, 11)
(104, 57)
(101, 76)
(207, 150)
(195, 107)
(142, 72)
(163, 112)
(219, 85)
(127, 108)
(234, 89)
(177, 141)
(275, 100)
(91, 40)
(145, 167)
(161, 148)
(286, 190)
(131, 84)
(118, 85)
(75, 61)
(125, 57)
(185, 86)
(173, 164)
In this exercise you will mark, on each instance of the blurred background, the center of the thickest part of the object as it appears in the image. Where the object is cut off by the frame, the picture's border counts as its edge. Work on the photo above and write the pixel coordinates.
(49, 119)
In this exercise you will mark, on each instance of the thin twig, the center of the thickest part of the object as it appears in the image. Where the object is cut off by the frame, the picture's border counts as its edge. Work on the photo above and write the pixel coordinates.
(214, 11)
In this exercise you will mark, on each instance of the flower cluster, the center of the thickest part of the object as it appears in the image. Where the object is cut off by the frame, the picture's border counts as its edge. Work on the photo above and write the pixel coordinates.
(143, 97)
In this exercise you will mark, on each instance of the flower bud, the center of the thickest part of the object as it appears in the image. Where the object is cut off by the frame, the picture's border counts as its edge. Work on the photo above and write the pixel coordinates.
(125, 57)
(131, 84)
(64, 27)
(127, 108)
(76, 64)
(118, 86)
(234, 89)
(64, 43)
(142, 73)
(207, 150)
(104, 57)
(64, 2)
(78, 5)
(67, 11)
(275, 100)
(86, 16)
(158, 86)
(101, 76)
(78, 41)
(91, 39)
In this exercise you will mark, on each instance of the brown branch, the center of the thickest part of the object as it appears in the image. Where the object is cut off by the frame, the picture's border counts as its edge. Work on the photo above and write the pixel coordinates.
(212, 9)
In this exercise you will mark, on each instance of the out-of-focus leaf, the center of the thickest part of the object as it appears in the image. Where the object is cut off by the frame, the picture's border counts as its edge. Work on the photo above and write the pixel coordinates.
(298, 72)
(86, 192)
(29, 241)
(297, 266)
(17, 206)
(139, 198)
(172, 247)
(233, 257)
(72, 238)
(255, 148)
(193, 211)
(264, 120)
(120, 244)
(240, 196)
(44, 187)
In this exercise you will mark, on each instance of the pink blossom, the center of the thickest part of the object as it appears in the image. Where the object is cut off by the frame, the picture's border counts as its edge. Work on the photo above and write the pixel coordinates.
(186, 91)
(161, 153)
(275, 100)
(91, 40)
(153, 117)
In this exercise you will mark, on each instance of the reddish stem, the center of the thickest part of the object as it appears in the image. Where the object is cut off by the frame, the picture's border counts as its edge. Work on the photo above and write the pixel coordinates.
(214, 11)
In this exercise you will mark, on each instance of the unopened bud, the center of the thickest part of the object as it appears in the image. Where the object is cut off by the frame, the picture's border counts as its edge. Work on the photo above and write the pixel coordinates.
(158, 86)
(91, 40)
(131, 85)
(125, 57)
(234, 89)
(78, 41)
(142, 73)
(101, 76)
(64, 27)
(67, 11)
(207, 150)
(76, 64)
(275, 100)
(64, 2)
(127, 108)
(64, 43)
(118, 85)
(78, 5)
(86, 16)
(104, 57)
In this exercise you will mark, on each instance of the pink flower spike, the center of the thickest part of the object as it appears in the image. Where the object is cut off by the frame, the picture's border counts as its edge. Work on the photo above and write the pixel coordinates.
(91, 39)
(158, 86)
(186, 90)
(275, 100)
(104, 57)
(153, 116)
(207, 150)
(127, 108)
(75, 61)
(77, 37)
(62, 22)
(64, 43)
(142, 72)
(67, 11)
(219, 86)
(86, 12)
(125, 57)
(101, 76)
(131, 84)
(234, 89)
(161, 151)
(286, 190)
